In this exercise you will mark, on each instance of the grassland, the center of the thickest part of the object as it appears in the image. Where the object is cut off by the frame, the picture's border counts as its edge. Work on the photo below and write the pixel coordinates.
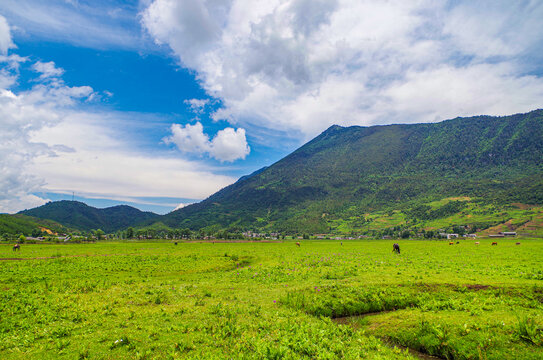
(272, 300)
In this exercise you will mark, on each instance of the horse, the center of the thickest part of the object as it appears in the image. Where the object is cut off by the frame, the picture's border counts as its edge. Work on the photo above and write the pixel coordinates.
(298, 244)
(16, 247)
(396, 248)
(494, 243)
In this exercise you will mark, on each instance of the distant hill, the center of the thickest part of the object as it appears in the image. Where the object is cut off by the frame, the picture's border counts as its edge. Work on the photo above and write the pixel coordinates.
(83, 217)
(347, 172)
(27, 225)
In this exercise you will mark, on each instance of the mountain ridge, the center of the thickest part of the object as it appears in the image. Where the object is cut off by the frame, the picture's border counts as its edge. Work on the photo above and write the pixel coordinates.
(83, 217)
(372, 167)
(346, 173)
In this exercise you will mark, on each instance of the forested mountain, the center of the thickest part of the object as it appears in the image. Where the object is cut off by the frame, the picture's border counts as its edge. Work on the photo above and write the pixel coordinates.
(349, 171)
(80, 216)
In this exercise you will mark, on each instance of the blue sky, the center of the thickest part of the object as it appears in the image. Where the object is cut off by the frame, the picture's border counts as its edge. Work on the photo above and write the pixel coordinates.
(160, 103)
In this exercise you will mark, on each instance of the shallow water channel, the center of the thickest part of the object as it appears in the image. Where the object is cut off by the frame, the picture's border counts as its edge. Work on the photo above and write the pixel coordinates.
(358, 321)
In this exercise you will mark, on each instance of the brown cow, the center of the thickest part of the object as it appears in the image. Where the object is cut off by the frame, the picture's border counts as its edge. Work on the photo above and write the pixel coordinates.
(517, 244)
(451, 243)
(298, 244)
(396, 248)
(494, 243)
(476, 243)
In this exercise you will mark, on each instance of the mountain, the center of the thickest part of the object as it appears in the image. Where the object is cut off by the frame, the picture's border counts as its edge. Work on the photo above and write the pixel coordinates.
(83, 217)
(353, 172)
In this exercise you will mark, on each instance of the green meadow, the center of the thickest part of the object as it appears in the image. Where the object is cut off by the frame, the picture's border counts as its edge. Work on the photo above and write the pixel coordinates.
(276, 300)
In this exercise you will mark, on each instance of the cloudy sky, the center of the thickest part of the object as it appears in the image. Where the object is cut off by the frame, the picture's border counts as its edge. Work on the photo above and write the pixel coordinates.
(160, 103)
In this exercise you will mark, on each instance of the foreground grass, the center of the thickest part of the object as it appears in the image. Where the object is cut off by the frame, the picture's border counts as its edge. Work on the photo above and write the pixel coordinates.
(272, 300)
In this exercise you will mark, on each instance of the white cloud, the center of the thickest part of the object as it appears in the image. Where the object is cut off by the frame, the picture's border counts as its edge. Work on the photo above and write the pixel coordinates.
(228, 145)
(20, 115)
(5, 36)
(189, 138)
(197, 106)
(300, 65)
(49, 144)
(180, 206)
(47, 69)
(103, 25)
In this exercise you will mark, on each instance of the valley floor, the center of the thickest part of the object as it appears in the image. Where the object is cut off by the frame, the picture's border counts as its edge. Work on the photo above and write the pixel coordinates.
(273, 300)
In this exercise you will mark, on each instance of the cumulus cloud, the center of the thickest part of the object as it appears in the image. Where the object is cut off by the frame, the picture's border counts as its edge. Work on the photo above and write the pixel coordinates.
(228, 144)
(301, 65)
(47, 69)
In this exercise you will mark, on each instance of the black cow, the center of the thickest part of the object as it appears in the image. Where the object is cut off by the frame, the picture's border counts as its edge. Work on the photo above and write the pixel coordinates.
(16, 247)
(396, 248)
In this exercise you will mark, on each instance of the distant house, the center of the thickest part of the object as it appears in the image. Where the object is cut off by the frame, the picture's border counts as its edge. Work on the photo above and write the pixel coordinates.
(500, 235)
(452, 236)
(470, 235)
(508, 233)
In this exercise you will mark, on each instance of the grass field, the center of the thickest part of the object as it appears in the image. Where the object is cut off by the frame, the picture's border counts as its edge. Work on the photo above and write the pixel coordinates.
(272, 300)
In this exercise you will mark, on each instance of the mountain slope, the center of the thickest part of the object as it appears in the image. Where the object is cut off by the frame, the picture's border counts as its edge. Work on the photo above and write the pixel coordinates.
(26, 225)
(350, 171)
(83, 217)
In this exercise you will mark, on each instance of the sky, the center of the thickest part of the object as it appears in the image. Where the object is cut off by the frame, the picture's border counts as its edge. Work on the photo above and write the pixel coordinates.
(160, 103)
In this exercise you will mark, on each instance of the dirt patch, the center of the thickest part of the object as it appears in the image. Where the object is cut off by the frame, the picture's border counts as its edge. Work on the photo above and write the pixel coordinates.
(476, 287)
(48, 231)
(523, 206)
(351, 320)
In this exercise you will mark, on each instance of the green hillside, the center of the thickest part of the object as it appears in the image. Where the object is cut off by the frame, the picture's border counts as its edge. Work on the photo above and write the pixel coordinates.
(83, 217)
(26, 225)
(339, 179)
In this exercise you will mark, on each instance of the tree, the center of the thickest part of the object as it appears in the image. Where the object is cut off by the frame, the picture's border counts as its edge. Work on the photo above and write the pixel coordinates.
(130, 233)
(99, 234)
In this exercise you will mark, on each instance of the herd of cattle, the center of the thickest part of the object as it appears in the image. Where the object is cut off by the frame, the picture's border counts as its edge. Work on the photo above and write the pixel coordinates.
(395, 247)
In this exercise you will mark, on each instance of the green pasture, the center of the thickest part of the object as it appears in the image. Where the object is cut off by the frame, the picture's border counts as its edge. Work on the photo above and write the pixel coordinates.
(157, 300)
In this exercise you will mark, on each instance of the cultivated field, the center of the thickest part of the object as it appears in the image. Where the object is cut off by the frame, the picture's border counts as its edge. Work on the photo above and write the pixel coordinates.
(273, 300)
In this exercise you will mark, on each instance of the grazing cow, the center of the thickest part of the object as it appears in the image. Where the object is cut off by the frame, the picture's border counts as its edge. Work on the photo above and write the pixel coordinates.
(517, 243)
(458, 242)
(476, 243)
(175, 243)
(396, 248)
(298, 244)
(494, 243)
(451, 243)
(16, 247)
